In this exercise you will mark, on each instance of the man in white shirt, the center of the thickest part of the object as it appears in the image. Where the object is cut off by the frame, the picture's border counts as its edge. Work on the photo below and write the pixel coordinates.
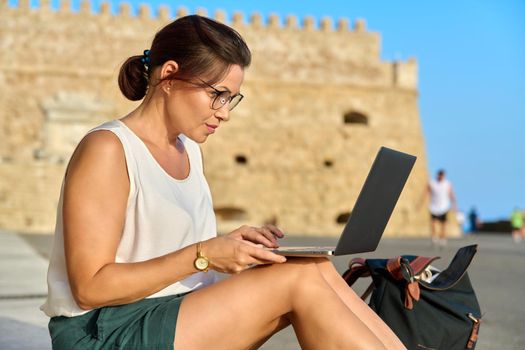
(442, 199)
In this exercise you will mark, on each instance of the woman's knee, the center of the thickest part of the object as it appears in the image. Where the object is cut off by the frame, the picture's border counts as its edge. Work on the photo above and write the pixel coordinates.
(298, 272)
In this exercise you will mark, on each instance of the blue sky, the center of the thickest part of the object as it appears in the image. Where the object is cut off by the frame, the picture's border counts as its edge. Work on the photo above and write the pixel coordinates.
(471, 57)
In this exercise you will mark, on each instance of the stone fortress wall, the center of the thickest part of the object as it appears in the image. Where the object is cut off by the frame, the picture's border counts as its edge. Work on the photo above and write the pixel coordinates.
(319, 103)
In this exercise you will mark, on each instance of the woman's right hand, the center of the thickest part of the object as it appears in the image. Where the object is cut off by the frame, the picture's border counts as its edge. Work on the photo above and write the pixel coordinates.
(230, 255)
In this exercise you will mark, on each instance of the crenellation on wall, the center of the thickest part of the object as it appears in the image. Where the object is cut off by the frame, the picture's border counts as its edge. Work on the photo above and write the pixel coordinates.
(220, 16)
(181, 12)
(24, 5)
(291, 22)
(308, 23)
(124, 10)
(144, 11)
(64, 6)
(45, 6)
(404, 74)
(202, 12)
(86, 8)
(256, 21)
(274, 21)
(237, 19)
(163, 13)
(105, 9)
(342, 25)
(326, 24)
(360, 25)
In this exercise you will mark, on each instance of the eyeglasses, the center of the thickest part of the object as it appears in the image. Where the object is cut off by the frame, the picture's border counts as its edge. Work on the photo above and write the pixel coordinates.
(223, 97)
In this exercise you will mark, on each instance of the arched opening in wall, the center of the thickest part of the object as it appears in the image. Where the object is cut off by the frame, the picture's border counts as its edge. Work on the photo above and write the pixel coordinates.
(328, 163)
(343, 217)
(230, 214)
(355, 118)
(241, 159)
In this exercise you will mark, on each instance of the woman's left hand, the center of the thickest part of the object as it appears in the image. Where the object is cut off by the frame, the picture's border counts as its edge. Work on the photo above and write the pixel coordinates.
(266, 235)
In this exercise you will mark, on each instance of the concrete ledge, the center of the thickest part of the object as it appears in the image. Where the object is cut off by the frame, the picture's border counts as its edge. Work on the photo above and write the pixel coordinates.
(16, 335)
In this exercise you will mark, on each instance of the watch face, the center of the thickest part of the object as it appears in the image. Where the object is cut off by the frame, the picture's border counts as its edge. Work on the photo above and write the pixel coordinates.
(201, 263)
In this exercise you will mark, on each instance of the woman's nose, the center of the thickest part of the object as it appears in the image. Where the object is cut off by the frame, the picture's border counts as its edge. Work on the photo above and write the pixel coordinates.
(223, 113)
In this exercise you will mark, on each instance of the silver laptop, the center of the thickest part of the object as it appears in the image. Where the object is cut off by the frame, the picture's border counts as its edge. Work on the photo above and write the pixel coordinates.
(372, 210)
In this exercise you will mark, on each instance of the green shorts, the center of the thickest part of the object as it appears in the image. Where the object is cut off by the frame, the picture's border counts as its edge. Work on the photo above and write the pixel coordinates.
(145, 324)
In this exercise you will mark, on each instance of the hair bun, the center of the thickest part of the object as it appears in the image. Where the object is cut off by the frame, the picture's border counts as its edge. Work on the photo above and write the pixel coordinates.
(132, 80)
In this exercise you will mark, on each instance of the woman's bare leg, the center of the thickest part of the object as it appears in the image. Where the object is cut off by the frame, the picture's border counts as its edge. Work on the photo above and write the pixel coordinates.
(240, 312)
(358, 306)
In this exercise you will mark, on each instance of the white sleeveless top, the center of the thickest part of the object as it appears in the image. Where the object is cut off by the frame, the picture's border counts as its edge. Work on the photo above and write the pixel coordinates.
(163, 215)
(440, 202)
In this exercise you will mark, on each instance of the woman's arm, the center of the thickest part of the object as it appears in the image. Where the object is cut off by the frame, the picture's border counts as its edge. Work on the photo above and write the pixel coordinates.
(95, 199)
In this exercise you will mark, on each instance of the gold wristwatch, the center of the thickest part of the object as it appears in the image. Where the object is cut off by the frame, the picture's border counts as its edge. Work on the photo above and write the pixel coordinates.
(201, 262)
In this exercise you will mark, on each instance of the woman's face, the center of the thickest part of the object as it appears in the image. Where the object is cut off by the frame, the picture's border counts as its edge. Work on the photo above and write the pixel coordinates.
(189, 108)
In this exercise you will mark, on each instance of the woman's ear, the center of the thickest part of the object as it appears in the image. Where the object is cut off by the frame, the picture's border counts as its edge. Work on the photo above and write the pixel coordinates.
(167, 70)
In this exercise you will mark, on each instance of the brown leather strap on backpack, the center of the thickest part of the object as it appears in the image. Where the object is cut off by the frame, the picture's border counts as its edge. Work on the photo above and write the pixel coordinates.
(393, 266)
(356, 269)
(403, 270)
(421, 263)
(417, 265)
(400, 269)
(412, 292)
(473, 338)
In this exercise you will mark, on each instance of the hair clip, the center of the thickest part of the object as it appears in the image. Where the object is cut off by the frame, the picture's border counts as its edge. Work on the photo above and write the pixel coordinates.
(145, 59)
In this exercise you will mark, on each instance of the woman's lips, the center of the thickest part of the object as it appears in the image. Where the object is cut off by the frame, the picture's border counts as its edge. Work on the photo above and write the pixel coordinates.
(211, 128)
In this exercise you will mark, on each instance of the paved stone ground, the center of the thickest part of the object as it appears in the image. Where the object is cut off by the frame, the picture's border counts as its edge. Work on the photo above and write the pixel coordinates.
(497, 273)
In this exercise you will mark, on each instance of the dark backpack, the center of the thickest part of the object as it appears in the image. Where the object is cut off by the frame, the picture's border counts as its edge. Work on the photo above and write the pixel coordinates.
(441, 314)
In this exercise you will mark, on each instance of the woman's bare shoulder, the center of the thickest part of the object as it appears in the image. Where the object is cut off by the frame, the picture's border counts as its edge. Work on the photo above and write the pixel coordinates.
(100, 151)
(96, 185)
(101, 141)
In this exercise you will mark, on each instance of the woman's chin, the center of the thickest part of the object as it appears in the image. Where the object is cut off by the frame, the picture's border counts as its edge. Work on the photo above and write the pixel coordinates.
(199, 138)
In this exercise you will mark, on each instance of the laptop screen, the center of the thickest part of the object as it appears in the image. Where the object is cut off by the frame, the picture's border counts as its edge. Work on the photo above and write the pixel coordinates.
(375, 202)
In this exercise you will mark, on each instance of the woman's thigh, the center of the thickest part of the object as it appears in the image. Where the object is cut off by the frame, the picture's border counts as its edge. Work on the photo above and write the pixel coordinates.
(241, 311)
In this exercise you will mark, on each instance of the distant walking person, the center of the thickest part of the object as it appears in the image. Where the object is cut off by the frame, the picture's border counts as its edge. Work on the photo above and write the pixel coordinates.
(442, 199)
(516, 221)
(473, 220)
